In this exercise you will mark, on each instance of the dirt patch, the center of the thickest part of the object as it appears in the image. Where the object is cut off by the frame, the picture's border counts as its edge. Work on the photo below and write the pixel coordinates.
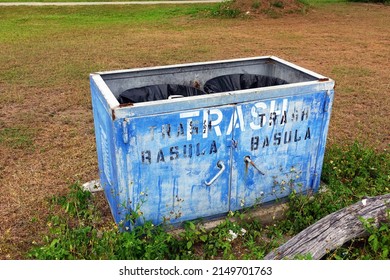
(47, 90)
(273, 8)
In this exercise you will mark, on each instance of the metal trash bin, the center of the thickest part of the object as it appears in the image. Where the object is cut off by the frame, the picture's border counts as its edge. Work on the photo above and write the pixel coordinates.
(201, 156)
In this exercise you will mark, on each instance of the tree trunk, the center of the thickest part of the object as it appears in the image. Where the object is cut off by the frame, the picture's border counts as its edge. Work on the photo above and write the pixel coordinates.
(334, 230)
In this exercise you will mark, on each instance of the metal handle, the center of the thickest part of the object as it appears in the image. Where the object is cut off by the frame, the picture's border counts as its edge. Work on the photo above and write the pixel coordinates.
(248, 160)
(222, 168)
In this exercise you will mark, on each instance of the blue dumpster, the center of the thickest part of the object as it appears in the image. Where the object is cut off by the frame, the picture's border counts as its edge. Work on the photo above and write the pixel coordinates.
(247, 132)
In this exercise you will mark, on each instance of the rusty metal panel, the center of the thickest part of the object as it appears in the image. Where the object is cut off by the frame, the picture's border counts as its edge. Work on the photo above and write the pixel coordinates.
(202, 156)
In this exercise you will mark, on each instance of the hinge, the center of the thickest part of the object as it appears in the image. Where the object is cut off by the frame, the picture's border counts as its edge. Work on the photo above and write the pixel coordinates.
(125, 131)
(232, 143)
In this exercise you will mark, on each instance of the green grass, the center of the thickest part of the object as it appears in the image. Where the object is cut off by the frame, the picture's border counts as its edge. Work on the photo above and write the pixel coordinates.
(17, 137)
(45, 1)
(16, 23)
(358, 72)
(13, 19)
(350, 172)
(28, 33)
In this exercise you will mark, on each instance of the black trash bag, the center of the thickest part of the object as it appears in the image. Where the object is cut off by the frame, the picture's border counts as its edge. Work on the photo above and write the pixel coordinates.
(240, 81)
(157, 92)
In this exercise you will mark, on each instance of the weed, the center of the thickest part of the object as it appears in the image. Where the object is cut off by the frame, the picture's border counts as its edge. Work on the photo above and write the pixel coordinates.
(256, 4)
(379, 238)
(288, 183)
(375, 246)
(360, 170)
(277, 4)
(134, 215)
(220, 241)
(351, 173)
(78, 232)
(271, 13)
(76, 203)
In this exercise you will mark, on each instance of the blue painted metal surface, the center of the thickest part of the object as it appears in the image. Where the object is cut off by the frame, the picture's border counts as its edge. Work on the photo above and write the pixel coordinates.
(199, 157)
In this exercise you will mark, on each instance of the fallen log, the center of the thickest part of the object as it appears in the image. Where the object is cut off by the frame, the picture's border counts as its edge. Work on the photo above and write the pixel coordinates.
(334, 230)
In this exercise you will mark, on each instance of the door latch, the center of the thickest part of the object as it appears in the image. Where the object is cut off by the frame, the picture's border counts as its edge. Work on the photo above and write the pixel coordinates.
(247, 159)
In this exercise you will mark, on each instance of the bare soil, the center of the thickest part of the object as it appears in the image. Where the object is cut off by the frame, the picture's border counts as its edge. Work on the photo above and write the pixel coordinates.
(271, 8)
(44, 89)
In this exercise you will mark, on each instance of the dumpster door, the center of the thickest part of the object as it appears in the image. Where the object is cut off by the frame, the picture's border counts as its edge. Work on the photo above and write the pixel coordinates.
(278, 150)
(179, 164)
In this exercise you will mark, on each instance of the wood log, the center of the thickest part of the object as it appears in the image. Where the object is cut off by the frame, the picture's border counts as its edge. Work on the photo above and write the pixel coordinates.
(334, 230)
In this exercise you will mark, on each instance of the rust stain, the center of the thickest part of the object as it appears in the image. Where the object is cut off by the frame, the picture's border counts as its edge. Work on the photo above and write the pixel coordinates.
(246, 167)
(196, 84)
(113, 114)
(126, 105)
(120, 106)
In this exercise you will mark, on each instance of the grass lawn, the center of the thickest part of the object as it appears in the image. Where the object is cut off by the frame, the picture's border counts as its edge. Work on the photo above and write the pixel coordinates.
(21, 1)
(46, 54)
(311, 2)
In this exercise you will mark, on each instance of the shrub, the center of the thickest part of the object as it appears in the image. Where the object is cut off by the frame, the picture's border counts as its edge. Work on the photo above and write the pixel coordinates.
(225, 9)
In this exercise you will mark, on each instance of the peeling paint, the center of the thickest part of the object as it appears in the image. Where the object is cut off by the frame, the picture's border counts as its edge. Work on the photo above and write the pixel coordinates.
(186, 158)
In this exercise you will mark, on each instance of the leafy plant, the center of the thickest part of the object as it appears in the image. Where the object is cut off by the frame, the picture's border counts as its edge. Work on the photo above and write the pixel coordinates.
(278, 4)
(350, 173)
(375, 246)
(256, 4)
(79, 233)
(379, 238)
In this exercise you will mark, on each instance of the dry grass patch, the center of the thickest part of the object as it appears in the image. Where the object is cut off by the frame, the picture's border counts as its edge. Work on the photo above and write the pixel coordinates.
(48, 54)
